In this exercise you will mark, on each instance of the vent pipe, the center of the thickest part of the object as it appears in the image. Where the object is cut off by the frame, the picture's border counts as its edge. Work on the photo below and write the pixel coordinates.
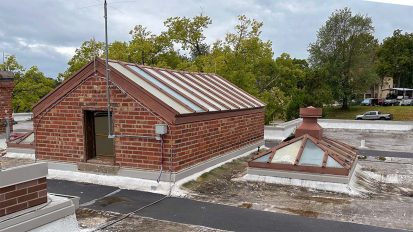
(310, 125)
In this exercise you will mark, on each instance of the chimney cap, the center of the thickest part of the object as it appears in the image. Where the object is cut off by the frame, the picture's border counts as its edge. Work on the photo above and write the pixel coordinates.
(311, 112)
(6, 75)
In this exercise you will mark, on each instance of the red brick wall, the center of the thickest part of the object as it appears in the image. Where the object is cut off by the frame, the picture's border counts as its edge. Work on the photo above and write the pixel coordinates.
(199, 141)
(60, 135)
(6, 90)
(22, 196)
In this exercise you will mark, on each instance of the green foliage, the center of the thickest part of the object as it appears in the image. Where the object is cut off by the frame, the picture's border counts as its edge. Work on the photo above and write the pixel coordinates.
(11, 64)
(395, 59)
(189, 33)
(276, 104)
(119, 50)
(87, 51)
(243, 58)
(30, 85)
(341, 62)
(148, 48)
(30, 88)
(345, 53)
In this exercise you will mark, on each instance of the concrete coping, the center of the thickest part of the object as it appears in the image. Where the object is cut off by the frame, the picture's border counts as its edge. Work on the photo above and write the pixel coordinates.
(56, 208)
(23, 173)
(348, 124)
(284, 124)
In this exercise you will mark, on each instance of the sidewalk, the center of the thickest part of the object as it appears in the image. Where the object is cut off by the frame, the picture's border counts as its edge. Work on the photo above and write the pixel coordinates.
(193, 212)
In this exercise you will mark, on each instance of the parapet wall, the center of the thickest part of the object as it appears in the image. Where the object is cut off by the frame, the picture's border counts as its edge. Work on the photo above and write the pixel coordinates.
(282, 131)
(22, 187)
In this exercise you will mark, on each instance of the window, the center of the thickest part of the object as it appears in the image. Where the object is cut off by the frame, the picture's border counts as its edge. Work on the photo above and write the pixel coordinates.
(165, 88)
(312, 155)
(287, 154)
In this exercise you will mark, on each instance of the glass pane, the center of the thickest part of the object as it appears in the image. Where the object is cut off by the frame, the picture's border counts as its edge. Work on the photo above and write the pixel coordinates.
(312, 155)
(151, 89)
(263, 159)
(166, 88)
(331, 163)
(287, 154)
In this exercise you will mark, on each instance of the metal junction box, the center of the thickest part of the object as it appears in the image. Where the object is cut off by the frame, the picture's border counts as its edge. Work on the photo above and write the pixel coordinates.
(161, 129)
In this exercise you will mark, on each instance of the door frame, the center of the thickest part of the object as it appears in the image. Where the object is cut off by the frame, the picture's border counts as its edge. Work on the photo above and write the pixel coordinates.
(89, 134)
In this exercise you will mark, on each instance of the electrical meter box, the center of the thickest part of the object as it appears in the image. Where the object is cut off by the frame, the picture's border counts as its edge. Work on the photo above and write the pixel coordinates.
(161, 129)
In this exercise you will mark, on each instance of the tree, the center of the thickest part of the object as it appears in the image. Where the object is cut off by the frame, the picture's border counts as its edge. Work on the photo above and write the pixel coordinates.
(28, 90)
(243, 57)
(189, 33)
(276, 104)
(11, 64)
(395, 59)
(345, 53)
(87, 51)
(119, 50)
(148, 48)
(30, 86)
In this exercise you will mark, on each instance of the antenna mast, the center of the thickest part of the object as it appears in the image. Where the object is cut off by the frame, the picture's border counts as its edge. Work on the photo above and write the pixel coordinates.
(107, 71)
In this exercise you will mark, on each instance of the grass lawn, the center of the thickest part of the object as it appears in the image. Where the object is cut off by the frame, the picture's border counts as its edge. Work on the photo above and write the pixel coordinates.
(400, 113)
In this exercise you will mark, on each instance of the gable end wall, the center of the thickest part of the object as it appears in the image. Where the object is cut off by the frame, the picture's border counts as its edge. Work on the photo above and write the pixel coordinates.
(59, 133)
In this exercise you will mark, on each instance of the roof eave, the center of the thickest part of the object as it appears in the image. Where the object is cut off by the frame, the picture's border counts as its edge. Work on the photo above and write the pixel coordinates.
(211, 115)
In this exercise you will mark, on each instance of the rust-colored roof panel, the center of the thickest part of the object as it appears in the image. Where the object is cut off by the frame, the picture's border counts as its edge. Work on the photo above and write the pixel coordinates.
(178, 93)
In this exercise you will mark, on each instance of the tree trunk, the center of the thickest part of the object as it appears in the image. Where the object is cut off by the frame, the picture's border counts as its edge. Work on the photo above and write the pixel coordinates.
(344, 105)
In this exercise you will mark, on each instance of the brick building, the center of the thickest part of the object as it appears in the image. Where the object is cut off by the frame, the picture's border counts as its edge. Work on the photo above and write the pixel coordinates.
(6, 91)
(203, 116)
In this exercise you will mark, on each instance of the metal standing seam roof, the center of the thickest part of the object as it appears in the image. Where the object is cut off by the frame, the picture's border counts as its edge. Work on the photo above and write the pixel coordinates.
(187, 92)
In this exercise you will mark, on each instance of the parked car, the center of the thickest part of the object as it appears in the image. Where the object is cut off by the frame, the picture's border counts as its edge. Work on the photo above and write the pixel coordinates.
(406, 102)
(391, 102)
(374, 115)
(372, 102)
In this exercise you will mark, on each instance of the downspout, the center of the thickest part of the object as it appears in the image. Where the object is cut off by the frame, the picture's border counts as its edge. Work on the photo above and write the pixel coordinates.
(161, 171)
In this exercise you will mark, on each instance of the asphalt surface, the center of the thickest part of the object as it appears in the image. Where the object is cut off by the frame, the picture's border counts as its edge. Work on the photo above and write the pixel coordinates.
(195, 212)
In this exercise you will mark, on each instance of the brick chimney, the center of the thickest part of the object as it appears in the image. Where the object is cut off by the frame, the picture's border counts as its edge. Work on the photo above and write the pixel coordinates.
(310, 125)
(6, 90)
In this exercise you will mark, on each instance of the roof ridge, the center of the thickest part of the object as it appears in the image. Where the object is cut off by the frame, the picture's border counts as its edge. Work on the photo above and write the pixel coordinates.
(159, 68)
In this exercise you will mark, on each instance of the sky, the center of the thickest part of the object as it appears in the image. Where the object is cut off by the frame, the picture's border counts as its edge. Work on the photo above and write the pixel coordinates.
(46, 33)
